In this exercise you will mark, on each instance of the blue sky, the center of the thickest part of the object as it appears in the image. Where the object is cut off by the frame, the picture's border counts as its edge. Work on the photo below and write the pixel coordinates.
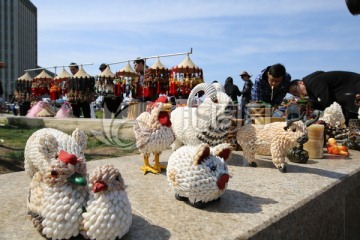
(227, 37)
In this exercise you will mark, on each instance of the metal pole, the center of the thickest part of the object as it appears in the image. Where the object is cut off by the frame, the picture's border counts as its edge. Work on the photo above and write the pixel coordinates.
(34, 69)
(158, 56)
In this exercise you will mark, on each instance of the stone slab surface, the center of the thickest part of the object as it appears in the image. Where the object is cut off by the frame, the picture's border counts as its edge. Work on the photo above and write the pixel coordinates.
(253, 206)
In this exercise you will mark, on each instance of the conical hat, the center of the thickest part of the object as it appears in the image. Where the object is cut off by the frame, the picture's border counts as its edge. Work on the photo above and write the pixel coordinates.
(63, 75)
(43, 75)
(81, 74)
(106, 73)
(127, 71)
(187, 63)
(25, 77)
(127, 68)
(158, 65)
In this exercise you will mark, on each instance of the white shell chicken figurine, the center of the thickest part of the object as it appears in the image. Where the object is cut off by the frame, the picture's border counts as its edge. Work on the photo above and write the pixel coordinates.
(109, 213)
(153, 133)
(199, 174)
(58, 196)
(43, 144)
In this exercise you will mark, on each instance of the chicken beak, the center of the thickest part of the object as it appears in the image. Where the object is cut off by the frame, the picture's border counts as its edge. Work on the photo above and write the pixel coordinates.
(166, 107)
(99, 186)
(77, 179)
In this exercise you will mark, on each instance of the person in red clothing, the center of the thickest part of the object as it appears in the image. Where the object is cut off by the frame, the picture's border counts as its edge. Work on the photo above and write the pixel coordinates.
(139, 66)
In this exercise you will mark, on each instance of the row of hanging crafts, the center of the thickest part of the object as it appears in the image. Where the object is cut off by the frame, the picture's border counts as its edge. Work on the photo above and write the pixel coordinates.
(179, 81)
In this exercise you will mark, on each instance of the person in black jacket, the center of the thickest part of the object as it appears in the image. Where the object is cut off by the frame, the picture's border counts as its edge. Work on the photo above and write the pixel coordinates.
(246, 92)
(232, 90)
(324, 88)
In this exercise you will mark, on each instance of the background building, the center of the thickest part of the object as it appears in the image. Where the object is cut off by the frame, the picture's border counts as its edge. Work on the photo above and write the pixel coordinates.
(18, 41)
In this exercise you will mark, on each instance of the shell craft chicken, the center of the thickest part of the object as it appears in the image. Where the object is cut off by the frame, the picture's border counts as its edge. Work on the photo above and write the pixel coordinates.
(199, 173)
(45, 143)
(153, 133)
(109, 214)
(58, 197)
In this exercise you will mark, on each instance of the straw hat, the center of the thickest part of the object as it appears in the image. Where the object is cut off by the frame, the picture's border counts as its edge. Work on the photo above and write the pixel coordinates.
(245, 73)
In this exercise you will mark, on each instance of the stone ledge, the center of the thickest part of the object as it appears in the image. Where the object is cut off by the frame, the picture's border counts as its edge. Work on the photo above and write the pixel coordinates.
(316, 200)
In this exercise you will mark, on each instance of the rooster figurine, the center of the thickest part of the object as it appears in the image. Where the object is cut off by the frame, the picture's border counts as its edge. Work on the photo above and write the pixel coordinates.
(109, 214)
(57, 197)
(153, 133)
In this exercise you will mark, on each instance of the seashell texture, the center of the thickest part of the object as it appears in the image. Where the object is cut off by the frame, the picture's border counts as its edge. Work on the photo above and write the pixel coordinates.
(57, 198)
(109, 214)
(334, 116)
(199, 173)
(45, 143)
(153, 133)
(273, 139)
(209, 122)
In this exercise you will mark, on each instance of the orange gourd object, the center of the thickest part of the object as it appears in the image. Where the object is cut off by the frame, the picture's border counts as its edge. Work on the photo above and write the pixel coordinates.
(344, 153)
(332, 142)
(330, 149)
(343, 148)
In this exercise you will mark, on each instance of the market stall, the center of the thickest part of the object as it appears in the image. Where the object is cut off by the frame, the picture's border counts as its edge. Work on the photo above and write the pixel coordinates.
(104, 83)
(22, 94)
(184, 77)
(126, 80)
(40, 85)
(81, 87)
(156, 80)
(58, 88)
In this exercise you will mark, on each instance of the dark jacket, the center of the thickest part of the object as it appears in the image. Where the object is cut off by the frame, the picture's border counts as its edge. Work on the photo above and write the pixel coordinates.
(261, 90)
(1, 89)
(324, 88)
(232, 90)
(246, 92)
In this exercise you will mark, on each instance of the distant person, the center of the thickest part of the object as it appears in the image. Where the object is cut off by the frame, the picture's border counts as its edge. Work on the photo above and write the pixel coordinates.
(77, 105)
(74, 68)
(271, 85)
(246, 92)
(232, 90)
(324, 88)
(139, 67)
(353, 6)
(111, 103)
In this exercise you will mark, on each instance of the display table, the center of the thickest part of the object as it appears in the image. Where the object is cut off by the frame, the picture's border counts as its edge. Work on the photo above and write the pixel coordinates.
(316, 200)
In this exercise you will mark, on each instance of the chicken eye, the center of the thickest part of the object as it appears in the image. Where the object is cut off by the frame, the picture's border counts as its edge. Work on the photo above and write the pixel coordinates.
(54, 173)
(212, 166)
(229, 108)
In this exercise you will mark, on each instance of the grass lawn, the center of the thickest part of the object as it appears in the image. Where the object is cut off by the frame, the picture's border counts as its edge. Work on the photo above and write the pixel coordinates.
(13, 141)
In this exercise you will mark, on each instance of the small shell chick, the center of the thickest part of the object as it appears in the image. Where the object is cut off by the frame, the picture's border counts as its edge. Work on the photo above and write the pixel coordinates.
(199, 173)
(109, 214)
(57, 197)
(153, 133)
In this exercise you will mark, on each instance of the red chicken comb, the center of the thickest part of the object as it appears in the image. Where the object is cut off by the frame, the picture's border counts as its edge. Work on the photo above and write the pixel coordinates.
(66, 157)
(162, 99)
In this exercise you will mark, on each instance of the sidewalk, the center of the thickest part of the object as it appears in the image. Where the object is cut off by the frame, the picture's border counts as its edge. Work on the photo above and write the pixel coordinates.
(317, 200)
